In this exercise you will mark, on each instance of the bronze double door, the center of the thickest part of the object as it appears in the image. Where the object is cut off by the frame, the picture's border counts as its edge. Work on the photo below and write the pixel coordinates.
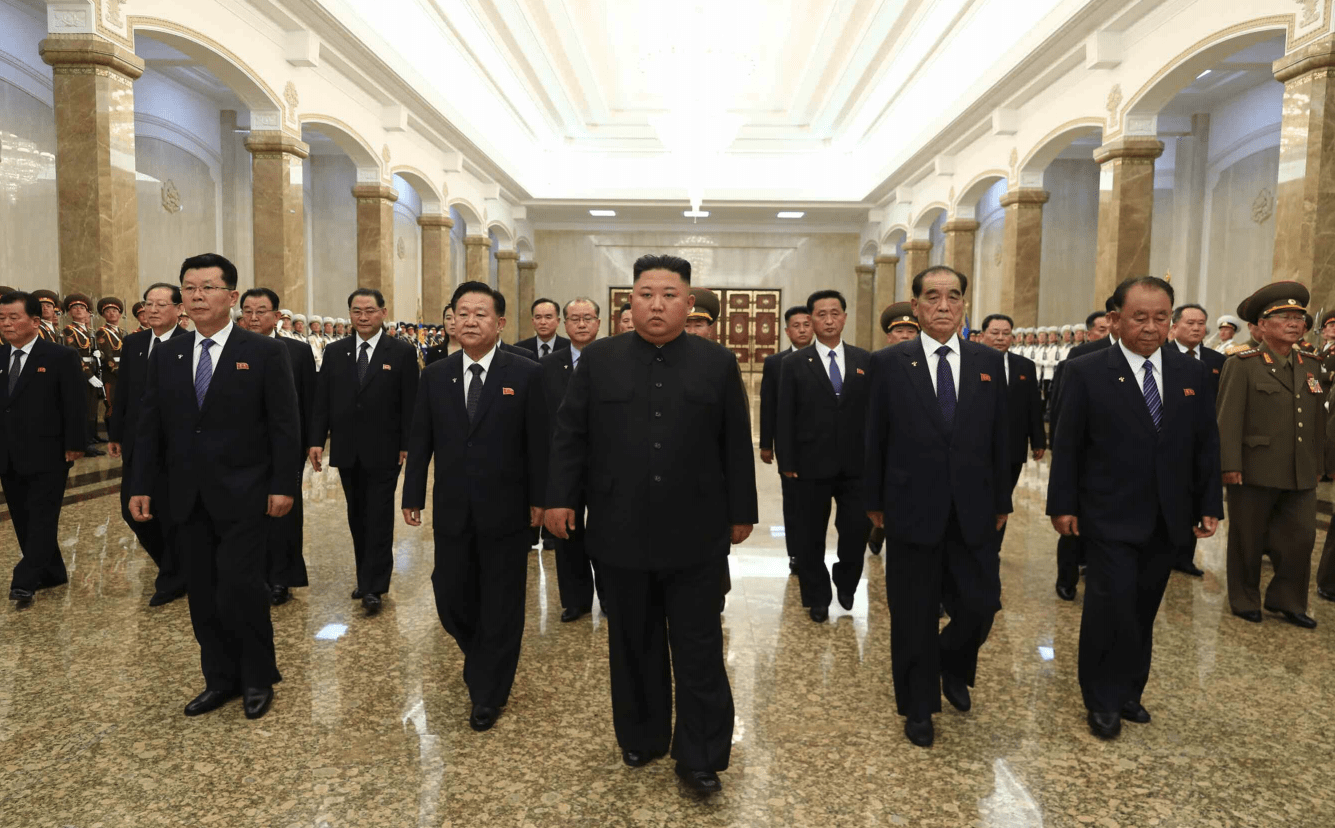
(749, 325)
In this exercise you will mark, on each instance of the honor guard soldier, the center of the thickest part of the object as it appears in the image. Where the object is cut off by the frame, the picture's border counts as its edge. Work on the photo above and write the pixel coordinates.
(108, 339)
(299, 326)
(284, 322)
(1273, 446)
(79, 336)
(50, 303)
(898, 323)
(140, 313)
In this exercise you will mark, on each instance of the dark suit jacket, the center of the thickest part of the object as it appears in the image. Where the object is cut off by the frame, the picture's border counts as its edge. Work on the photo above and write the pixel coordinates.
(531, 345)
(494, 467)
(1213, 360)
(46, 415)
(129, 398)
(669, 469)
(769, 396)
(438, 352)
(821, 436)
(1025, 409)
(366, 424)
(241, 447)
(557, 369)
(304, 376)
(1113, 471)
(1054, 391)
(917, 469)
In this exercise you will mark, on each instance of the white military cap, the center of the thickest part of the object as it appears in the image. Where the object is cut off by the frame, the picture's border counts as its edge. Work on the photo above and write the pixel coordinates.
(1067, 329)
(319, 319)
(285, 313)
(300, 317)
(1229, 319)
(341, 321)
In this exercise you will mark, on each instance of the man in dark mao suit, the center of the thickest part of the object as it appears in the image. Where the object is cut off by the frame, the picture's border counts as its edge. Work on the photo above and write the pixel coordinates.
(938, 479)
(1024, 403)
(797, 326)
(654, 432)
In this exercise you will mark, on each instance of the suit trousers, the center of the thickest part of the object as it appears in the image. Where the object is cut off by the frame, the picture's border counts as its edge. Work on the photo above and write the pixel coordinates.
(34, 502)
(1124, 585)
(370, 496)
(157, 536)
(813, 499)
(1186, 554)
(919, 581)
(576, 573)
(286, 564)
(1281, 522)
(1016, 469)
(1325, 571)
(1070, 555)
(792, 517)
(664, 629)
(229, 601)
(479, 584)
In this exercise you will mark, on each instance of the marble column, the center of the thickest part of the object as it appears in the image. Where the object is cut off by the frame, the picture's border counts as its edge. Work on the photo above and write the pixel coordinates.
(884, 293)
(97, 212)
(917, 257)
(436, 288)
(1305, 201)
(866, 300)
(1126, 207)
(279, 237)
(1022, 254)
(477, 257)
(507, 282)
(960, 235)
(526, 297)
(375, 240)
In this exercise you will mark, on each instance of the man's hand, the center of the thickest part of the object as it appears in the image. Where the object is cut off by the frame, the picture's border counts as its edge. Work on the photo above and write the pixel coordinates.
(279, 505)
(316, 454)
(139, 505)
(792, 475)
(1232, 478)
(1207, 527)
(1038, 453)
(560, 522)
(71, 456)
(741, 531)
(412, 517)
(1066, 525)
(767, 456)
(1001, 521)
(403, 455)
(114, 449)
(535, 516)
(877, 519)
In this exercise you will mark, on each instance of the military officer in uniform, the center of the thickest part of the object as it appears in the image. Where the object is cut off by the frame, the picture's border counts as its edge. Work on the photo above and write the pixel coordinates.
(1273, 448)
(140, 313)
(700, 322)
(108, 339)
(898, 323)
(50, 303)
(79, 336)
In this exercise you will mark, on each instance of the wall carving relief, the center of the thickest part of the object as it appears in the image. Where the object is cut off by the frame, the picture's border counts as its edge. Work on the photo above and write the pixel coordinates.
(114, 12)
(290, 95)
(70, 19)
(1310, 12)
(171, 197)
(384, 154)
(1263, 207)
(402, 249)
(1114, 101)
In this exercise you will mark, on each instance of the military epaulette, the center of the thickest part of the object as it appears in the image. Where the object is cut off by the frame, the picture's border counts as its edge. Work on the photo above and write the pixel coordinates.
(1247, 354)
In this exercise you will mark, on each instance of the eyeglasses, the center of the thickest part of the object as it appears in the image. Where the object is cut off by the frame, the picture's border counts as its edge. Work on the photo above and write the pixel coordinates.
(207, 290)
(581, 320)
(158, 305)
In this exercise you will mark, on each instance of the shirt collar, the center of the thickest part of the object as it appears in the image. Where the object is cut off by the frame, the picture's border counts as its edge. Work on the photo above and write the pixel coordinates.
(551, 343)
(26, 349)
(1184, 349)
(649, 351)
(373, 341)
(485, 362)
(1136, 361)
(219, 339)
(931, 345)
(574, 354)
(824, 350)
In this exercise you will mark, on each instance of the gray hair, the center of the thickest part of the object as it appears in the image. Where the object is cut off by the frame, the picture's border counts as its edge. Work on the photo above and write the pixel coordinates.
(597, 311)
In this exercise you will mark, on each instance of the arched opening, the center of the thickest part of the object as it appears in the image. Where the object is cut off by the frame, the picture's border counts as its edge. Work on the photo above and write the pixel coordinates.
(338, 160)
(981, 201)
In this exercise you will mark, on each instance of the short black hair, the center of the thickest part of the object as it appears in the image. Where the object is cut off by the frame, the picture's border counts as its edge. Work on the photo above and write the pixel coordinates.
(544, 301)
(32, 306)
(1154, 282)
(371, 292)
(677, 265)
(794, 311)
(497, 298)
(1094, 317)
(625, 307)
(993, 317)
(175, 289)
(1180, 309)
(262, 293)
(825, 294)
(1109, 305)
(206, 260)
(917, 280)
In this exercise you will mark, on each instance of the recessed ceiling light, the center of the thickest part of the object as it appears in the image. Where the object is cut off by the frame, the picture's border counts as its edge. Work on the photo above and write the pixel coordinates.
(696, 213)
(1203, 74)
(602, 213)
(791, 214)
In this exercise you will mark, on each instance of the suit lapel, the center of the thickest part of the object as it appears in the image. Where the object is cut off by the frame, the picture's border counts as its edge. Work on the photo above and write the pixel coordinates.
(1173, 394)
(455, 389)
(1128, 388)
(491, 387)
(817, 364)
(855, 362)
(915, 363)
(966, 384)
(29, 367)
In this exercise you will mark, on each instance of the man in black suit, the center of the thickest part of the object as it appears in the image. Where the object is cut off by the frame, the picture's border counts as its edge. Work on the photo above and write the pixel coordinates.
(287, 564)
(821, 439)
(1135, 471)
(1024, 405)
(937, 478)
(660, 529)
(220, 406)
(438, 352)
(576, 578)
(42, 433)
(162, 303)
(546, 341)
(481, 413)
(364, 401)
(797, 327)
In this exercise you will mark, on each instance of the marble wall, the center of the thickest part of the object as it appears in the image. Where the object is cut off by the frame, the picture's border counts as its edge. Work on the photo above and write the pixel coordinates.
(29, 253)
(1241, 231)
(177, 197)
(1070, 235)
(407, 255)
(331, 213)
(988, 244)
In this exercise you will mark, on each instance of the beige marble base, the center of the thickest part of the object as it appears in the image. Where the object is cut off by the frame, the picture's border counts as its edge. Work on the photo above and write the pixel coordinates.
(527, 293)
(1126, 208)
(436, 287)
(885, 293)
(960, 236)
(507, 282)
(866, 314)
(477, 258)
(375, 241)
(917, 258)
(1022, 254)
(279, 223)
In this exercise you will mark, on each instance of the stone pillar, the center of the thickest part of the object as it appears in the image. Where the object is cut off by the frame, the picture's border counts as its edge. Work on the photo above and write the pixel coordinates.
(1305, 201)
(884, 293)
(1126, 206)
(97, 213)
(375, 240)
(507, 282)
(917, 257)
(1022, 254)
(477, 253)
(436, 289)
(866, 299)
(279, 238)
(960, 234)
(526, 297)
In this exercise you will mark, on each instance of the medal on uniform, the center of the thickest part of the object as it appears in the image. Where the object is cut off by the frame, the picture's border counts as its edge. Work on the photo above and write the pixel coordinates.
(1313, 385)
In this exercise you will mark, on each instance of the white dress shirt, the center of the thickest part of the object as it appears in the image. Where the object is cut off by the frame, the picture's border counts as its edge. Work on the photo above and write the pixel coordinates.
(930, 346)
(574, 355)
(485, 362)
(551, 345)
(1137, 363)
(23, 363)
(373, 342)
(215, 350)
(823, 351)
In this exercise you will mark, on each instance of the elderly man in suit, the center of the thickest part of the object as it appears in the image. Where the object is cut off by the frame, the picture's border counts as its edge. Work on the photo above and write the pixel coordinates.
(661, 528)
(545, 341)
(220, 406)
(1024, 405)
(162, 303)
(1135, 471)
(937, 479)
(797, 327)
(42, 432)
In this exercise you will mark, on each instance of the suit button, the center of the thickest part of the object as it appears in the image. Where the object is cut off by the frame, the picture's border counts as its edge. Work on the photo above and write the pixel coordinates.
(470, 443)
(199, 431)
(658, 445)
(658, 359)
(658, 385)
(658, 413)
(658, 479)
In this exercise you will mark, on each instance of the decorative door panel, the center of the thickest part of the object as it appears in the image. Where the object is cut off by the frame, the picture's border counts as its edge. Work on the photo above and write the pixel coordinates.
(749, 326)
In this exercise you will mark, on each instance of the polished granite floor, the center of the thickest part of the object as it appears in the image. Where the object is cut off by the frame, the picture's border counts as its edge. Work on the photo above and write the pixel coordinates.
(369, 726)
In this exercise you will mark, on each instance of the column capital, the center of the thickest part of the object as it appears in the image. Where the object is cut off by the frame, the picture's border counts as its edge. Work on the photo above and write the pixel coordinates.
(864, 270)
(433, 220)
(961, 226)
(528, 265)
(886, 259)
(1130, 148)
(477, 241)
(507, 254)
(273, 143)
(1024, 195)
(1319, 54)
(914, 245)
(375, 192)
(71, 54)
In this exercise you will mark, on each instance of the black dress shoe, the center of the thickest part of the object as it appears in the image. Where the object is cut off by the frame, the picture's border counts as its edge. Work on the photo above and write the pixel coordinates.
(722, 604)
(1135, 712)
(1329, 596)
(819, 614)
(640, 758)
(23, 597)
(792, 566)
(279, 595)
(356, 595)
(1297, 619)
(207, 702)
(573, 613)
(482, 717)
(257, 701)
(1066, 593)
(371, 602)
(161, 598)
(846, 599)
(1105, 725)
(876, 541)
(702, 782)
(920, 731)
(1253, 616)
(956, 692)
(1190, 569)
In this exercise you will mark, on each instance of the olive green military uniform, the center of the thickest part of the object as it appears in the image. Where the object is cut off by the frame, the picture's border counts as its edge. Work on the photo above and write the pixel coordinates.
(108, 340)
(80, 337)
(707, 306)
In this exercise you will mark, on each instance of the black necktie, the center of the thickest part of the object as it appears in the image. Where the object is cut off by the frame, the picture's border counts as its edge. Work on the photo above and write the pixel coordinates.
(14, 370)
(362, 362)
(546, 349)
(945, 385)
(474, 390)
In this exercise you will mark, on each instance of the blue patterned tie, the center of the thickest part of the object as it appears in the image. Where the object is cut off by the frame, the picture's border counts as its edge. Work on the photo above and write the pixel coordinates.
(1152, 395)
(836, 378)
(203, 372)
(945, 385)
